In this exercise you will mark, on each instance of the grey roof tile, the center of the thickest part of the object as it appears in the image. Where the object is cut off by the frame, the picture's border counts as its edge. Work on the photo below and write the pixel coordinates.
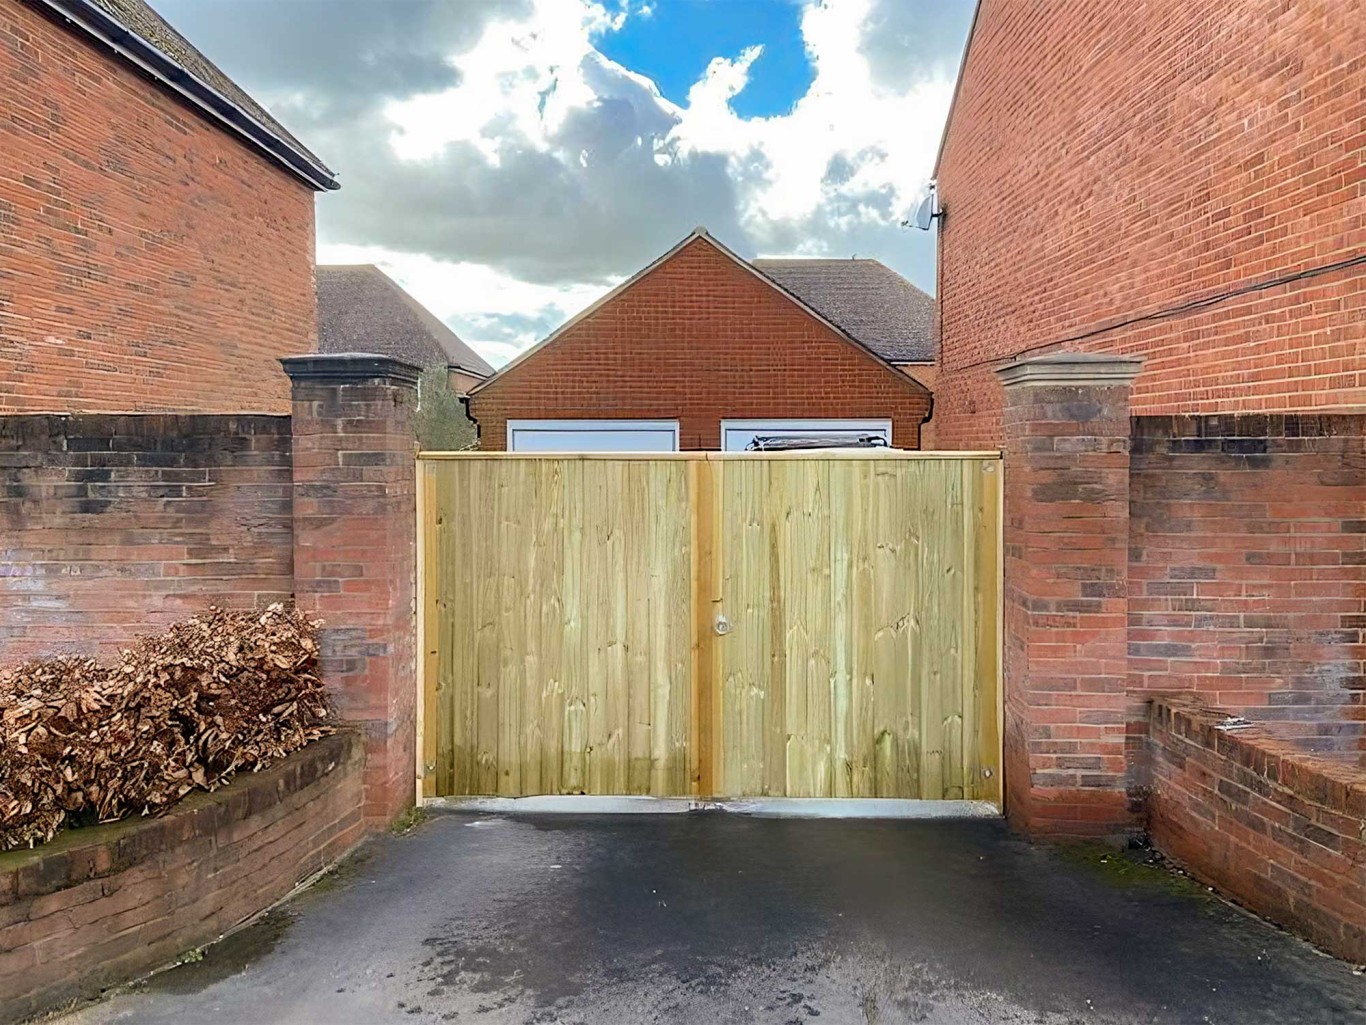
(361, 309)
(869, 300)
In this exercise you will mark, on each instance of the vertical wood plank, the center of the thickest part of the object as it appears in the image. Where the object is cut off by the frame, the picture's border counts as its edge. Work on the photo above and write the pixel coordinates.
(763, 730)
(639, 682)
(676, 555)
(811, 499)
(547, 592)
(616, 706)
(703, 510)
(427, 620)
(510, 548)
(489, 583)
(575, 736)
(862, 781)
(843, 537)
(887, 702)
(463, 627)
(986, 696)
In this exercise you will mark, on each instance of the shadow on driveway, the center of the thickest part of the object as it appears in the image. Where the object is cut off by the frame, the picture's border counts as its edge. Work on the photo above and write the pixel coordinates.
(717, 919)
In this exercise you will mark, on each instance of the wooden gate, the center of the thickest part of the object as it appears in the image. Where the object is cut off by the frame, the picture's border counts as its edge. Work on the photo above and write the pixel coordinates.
(710, 625)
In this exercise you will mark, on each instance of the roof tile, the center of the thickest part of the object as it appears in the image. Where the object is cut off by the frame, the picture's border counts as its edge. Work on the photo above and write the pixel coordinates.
(361, 309)
(869, 300)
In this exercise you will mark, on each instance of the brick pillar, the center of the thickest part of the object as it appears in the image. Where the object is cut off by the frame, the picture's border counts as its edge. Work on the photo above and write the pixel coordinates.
(1066, 427)
(354, 550)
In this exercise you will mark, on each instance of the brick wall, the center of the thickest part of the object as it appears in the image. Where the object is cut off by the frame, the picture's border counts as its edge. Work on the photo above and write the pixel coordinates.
(700, 339)
(113, 526)
(355, 553)
(101, 905)
(1275, 829)
(148, 261)
(1247, 574)
(1066, 560)
(1109, 162)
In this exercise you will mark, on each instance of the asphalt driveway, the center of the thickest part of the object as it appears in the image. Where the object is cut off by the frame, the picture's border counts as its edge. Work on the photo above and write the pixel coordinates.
(715, 919)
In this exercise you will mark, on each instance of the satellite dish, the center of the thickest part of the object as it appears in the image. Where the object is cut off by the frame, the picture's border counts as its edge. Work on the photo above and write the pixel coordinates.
(928, 210)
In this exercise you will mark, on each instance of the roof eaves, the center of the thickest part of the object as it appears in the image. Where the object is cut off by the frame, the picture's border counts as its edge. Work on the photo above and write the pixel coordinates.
(472, 371)
(104, 28)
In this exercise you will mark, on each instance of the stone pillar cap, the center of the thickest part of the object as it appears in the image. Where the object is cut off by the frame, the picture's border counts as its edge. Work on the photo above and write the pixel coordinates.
(1075, 369)
(349, 368)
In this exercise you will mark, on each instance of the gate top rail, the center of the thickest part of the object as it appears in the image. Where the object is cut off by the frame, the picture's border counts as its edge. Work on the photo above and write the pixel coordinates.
(707, 456)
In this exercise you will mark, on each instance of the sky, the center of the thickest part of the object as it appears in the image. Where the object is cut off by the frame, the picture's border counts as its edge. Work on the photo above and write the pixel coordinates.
(509, 161)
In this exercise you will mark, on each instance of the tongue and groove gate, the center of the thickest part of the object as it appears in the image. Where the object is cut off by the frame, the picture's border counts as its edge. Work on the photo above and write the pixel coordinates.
(708, 625)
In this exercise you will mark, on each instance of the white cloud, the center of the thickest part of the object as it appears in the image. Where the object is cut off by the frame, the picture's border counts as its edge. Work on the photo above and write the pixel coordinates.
(523, 78)
(835, 174)
(500, 165)
(507, 172)
(887, 138)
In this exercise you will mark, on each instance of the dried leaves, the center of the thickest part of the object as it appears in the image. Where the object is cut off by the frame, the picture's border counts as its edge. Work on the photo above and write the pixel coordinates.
(84, 741)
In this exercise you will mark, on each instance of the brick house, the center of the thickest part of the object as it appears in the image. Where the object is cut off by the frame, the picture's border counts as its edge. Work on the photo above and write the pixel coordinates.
(1152, 297)
(1170, 184)
(156, 223)
(704, 350)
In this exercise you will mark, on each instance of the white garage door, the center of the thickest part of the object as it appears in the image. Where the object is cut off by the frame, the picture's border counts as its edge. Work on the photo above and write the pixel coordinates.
(592, 436)
(737, 434)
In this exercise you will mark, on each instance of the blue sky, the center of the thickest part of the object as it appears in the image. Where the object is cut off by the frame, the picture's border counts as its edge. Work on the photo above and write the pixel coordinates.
(674, 44)
(508, 161)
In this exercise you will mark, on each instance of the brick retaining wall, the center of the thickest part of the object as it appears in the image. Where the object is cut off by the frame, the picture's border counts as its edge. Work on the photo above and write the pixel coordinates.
(1247, 569)
(1277, 829)
(115, 526)
(101, 905)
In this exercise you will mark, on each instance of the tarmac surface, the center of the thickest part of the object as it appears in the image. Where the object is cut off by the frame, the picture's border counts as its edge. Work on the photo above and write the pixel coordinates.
(716, 918)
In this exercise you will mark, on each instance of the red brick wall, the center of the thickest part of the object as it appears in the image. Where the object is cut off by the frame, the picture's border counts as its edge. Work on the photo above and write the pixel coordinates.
(355, 553)
(1066, 560)
(1276, 830)
(1247, 572)
(101, 905)
(1107, 161)
(700, 339)
(113, 526)
(148, 260)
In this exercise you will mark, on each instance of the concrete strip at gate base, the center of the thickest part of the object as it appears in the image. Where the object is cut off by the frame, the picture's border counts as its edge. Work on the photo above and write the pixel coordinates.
(761, 807)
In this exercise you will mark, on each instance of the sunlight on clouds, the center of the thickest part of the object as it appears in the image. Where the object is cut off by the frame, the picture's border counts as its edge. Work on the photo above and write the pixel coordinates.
(523, 76)
(887, 138)
(850, 158)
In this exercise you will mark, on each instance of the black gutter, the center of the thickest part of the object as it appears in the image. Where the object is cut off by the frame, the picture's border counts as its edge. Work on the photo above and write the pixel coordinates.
(97, 23)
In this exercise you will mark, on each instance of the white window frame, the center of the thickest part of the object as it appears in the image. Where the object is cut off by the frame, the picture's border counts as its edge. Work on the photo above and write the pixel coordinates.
(781, 426)
(528, 426)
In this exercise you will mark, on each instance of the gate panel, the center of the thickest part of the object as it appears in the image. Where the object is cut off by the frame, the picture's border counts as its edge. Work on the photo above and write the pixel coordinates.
(861, 660)
(569, 625)
(557, 627)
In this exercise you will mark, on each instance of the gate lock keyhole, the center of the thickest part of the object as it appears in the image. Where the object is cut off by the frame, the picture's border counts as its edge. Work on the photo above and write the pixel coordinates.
(722, 624)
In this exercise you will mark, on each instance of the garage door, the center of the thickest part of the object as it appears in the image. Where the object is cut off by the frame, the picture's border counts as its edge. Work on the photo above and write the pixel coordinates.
(592, 436)
(737, 434)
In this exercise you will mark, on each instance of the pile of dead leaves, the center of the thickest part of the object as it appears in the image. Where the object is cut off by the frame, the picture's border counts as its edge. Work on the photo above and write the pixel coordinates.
(86, 741)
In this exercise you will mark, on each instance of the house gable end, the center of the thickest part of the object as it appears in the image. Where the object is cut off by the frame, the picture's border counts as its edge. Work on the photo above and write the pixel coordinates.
(698, 241)
(699, 337)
